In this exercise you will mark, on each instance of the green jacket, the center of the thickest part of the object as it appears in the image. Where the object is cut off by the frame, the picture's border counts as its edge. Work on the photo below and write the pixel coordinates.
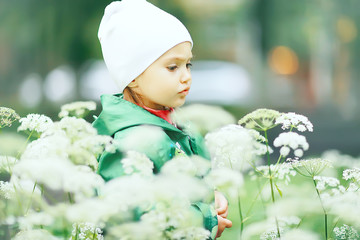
(121, 119)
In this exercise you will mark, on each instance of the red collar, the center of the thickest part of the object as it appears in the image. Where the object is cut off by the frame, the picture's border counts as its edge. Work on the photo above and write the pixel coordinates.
(164, 114)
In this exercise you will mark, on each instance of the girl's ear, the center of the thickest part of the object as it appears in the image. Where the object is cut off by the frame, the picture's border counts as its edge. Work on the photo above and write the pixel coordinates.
(133, 83)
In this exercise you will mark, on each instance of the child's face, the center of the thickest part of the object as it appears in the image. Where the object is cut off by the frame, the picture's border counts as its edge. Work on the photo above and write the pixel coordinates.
(166, 82)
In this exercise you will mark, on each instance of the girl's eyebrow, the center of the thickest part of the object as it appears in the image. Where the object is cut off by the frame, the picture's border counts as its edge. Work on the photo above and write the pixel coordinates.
(179, 58)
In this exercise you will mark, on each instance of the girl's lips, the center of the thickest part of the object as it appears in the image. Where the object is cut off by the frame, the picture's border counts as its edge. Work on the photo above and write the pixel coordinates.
(185, 92)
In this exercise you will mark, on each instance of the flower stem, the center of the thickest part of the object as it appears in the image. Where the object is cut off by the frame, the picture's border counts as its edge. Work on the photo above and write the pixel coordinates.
(322, 205)
(271, 180)
(30, 201)
(94, 235)
(241, 216)
(239, 207)
(23, 147)
(71, 201)
(77, 232)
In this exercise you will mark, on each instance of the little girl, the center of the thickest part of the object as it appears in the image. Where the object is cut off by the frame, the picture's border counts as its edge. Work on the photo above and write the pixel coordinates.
(148, 53)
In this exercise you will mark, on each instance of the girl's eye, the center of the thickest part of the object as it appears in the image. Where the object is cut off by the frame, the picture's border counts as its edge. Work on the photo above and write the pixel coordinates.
(172, 68)
(188, 65)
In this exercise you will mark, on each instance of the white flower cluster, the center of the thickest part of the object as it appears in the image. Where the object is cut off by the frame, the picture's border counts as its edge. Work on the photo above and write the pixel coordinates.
(345, 206)
(6, 189)
(193, 233)
(352, 174)
(271, 234)
(86, 231)
(291, 140)
(284, 223)
(72, 138)
(341, 160)
(181, 186)
(196, 117)
(35, 234)
(64, 158)
(234, 146)
(168, 216)
(35, 123)
(191, 166)
(322, 182)
(225, 180)
(137, 163)
(298, 234)
(59, 174)
(7, 117)
(346, 232)
(282, 171)
(293, 120)
(139, 230)
(73, 128)
(310, 167)
(261, 119)
(77, 109)
(288, 221)
(33, 219)
(176, 221)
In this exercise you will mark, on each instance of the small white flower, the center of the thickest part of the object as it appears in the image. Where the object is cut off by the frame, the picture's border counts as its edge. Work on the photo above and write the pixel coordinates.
(341, 160)
(293, 120)
(7, 190)
(282, 171)
(261, 119)
(284, 151)
(309, 167)
(7, 117)
(35, 123)
(225, 180)
(346, 232)
(77, 109)
(128, 192)
(33, 219)
(193, 233)
(192, 166)
(289, 221)
(292, 140)
(167, 215)
(95, 210)
(130, 231)
(271, 234)
(137, 163)
(81, 181)
(322, 182)
(202, 118)
(86, 231)
(352, 174)
(73, 128)
(235, 147)
(298, 153)
(298, 234)
(36, 234)
(181, 186)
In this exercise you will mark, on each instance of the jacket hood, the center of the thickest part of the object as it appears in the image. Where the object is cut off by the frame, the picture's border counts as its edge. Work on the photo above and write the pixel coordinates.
(118, 114)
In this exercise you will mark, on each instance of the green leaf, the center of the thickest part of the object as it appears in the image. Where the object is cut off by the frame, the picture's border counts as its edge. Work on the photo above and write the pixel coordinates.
(278, 189)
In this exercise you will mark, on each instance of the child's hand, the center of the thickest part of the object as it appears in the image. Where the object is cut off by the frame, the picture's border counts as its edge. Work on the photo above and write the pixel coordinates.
(222, 224)
(221, 204)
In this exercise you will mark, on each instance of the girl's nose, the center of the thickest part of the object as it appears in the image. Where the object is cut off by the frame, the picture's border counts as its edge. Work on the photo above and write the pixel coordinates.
(186, 76)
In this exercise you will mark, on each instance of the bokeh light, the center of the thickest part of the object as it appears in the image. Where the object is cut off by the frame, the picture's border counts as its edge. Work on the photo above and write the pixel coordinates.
(283, 60)
(346, 29)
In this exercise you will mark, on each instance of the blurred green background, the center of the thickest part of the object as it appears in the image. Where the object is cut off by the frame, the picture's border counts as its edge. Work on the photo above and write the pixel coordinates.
(299, 55)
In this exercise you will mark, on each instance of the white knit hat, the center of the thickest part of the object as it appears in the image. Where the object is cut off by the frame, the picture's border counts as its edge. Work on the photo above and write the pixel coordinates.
(134, 34)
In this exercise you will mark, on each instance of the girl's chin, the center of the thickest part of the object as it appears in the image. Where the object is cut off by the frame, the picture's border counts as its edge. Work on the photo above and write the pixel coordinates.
(178, 104)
